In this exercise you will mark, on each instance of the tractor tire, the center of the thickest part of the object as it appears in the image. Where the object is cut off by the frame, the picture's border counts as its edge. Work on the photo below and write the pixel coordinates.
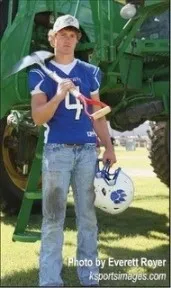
(159, 151)
(13, 182)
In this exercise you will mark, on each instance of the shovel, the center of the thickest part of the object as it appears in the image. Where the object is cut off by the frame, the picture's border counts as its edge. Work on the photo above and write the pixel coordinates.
(39, 57)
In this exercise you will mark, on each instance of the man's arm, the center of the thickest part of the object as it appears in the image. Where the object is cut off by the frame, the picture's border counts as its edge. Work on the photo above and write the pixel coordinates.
(101, 129)
(43, 110)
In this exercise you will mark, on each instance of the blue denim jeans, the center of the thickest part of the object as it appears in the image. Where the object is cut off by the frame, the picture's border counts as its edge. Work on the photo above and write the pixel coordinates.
(64, 166)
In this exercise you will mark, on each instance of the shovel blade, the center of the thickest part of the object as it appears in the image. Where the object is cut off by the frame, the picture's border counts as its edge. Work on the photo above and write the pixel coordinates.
(20, 65)
(28, 61)
(43, 55)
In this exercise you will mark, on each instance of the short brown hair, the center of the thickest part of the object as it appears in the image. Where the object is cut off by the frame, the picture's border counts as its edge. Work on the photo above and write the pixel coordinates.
(51, 34)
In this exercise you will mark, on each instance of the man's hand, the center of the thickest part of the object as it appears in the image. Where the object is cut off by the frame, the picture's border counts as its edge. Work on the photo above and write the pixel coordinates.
(63, 89)
(109, 155)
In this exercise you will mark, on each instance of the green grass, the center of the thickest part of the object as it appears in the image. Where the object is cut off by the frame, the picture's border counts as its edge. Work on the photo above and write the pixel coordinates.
(132, 159)
(141, 231)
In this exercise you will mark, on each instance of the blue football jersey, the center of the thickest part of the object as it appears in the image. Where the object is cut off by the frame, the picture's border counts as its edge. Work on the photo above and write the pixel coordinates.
(70, 124)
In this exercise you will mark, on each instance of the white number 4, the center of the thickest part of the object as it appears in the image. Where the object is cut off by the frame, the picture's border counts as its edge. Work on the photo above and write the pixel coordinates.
(77, 105)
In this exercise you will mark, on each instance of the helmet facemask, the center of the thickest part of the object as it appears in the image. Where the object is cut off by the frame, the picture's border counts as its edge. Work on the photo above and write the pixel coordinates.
(114, 191)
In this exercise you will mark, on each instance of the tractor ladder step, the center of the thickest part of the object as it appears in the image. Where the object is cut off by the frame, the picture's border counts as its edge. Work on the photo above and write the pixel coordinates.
(26, 237)
(33, 195)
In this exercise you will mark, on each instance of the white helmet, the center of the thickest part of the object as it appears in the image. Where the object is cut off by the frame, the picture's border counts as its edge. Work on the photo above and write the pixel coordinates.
(114, 191)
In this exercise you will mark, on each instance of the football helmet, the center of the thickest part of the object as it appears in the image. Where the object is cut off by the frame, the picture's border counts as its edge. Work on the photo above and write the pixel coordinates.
(114, 190)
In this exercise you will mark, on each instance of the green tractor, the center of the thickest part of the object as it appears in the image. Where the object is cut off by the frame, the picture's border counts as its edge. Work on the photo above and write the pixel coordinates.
(132, 53)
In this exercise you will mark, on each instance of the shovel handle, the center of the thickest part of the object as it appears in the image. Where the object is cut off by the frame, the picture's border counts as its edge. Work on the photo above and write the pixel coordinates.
(84, 100)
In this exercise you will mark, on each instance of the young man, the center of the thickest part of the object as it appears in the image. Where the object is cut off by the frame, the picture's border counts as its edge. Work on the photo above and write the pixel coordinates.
(69, 152)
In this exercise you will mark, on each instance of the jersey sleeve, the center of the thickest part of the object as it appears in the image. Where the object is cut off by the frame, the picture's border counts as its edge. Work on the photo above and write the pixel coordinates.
(95, 79)
(37, 82)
